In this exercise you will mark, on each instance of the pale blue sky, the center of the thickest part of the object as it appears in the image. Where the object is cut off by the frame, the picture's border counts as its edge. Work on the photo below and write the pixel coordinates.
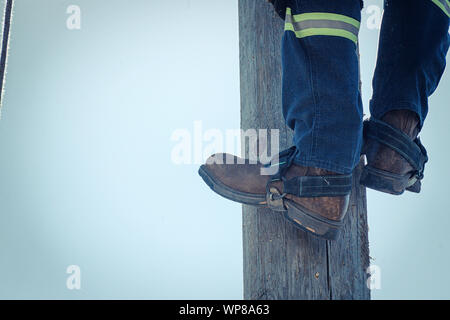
(86, 172)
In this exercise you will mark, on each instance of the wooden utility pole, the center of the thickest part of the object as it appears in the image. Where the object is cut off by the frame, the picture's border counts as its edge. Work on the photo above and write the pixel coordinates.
(281, 262)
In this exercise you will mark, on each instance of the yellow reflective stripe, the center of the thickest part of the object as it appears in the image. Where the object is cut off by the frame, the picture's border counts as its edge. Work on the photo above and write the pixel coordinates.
(321, 23)
(322, 32)
(444, 5)
(326, 16)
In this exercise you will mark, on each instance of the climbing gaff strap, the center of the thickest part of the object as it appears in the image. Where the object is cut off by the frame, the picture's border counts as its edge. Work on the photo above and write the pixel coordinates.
(273, 196)
(412, 150)
(444, 5)
(322, 24)
(319, 186)
(304, 186)
(7, 17)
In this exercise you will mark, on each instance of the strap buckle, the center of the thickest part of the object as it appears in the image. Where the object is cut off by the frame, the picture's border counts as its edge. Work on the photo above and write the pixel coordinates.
(275, 199)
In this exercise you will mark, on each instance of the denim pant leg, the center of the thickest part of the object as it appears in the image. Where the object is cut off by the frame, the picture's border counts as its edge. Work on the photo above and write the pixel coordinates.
(320, 89)
(413, 44)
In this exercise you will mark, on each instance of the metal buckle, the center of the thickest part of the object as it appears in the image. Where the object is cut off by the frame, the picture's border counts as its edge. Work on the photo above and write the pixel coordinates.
(412, 181)
(275, 200)
(419, 175)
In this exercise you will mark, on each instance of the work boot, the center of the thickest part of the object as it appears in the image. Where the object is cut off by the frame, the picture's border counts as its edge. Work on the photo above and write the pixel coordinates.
(395, 156)
(314, 200)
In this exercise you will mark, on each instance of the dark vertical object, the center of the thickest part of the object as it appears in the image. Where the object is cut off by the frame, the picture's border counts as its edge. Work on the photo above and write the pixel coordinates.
(281, 262)
(5, 43)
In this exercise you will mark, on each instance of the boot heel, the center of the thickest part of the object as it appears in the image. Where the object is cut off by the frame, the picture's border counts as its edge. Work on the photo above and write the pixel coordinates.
(383, 181)
(312, 223)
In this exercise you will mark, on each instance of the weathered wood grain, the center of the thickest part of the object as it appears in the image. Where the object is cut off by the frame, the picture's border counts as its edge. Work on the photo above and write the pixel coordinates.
(281, 262)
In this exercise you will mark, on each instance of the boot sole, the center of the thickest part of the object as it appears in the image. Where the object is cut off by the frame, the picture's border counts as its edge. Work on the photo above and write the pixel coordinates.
(297, 215)
(387, 182)
(230, 194)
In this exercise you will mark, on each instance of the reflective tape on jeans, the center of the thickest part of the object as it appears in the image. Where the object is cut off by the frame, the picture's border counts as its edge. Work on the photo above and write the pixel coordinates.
(444, 5)
(322, 24)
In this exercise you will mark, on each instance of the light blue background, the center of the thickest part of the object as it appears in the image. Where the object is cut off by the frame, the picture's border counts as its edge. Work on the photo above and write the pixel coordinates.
(86, 176)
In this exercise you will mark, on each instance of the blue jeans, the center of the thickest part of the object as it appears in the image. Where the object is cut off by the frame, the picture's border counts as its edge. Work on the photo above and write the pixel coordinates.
(321, 97)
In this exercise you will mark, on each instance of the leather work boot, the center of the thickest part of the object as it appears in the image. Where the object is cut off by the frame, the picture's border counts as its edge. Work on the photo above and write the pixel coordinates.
(314, 200)
(395, 156)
